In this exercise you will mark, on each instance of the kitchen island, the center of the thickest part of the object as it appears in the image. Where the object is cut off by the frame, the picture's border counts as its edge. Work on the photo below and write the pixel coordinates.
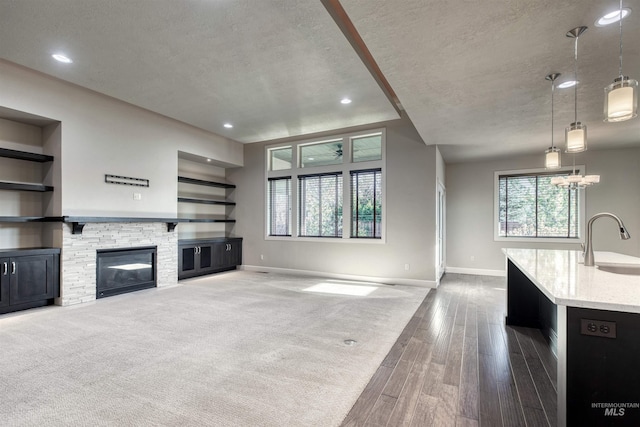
(591, 317)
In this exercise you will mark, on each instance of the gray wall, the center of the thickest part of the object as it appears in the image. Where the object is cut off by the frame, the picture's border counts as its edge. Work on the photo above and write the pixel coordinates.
(470, 205)
(410, 197)
(101, 135)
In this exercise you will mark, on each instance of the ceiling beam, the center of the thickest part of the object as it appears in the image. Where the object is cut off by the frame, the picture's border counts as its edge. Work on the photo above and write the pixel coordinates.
(343, 21)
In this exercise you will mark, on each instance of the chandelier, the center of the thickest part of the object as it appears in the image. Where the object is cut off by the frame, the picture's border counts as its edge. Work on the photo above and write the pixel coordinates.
(575, 181)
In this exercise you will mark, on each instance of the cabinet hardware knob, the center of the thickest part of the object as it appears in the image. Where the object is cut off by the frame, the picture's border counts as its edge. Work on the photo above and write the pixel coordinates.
(13, 267)
(5, 268)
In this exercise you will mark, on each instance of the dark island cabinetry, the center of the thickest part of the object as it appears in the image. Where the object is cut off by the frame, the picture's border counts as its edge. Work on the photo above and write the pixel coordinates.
(28, 278)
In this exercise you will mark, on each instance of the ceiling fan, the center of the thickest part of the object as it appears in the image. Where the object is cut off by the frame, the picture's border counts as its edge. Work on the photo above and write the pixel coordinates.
(338, 151)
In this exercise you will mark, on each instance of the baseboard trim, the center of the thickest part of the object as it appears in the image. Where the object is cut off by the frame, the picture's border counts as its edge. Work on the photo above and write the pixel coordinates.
(385, 280)
(476, 271)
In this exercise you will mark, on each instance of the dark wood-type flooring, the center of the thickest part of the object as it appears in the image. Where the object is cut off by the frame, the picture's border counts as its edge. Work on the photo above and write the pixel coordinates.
(457, 364)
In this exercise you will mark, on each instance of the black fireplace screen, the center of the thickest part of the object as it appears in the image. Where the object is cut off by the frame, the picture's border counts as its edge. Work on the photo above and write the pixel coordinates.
(125, 270)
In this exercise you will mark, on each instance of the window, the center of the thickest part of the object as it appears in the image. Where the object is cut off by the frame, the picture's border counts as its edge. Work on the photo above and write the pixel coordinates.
(321, 153)
(327, 189)
(529, 206)
(279, 208)
(367, 148)
(320, 205)
(280, 158)
(366, 203)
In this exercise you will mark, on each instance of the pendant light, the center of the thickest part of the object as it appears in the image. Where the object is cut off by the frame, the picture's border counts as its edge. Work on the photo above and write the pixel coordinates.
(552, 155)
(576, 133)
(621, 96)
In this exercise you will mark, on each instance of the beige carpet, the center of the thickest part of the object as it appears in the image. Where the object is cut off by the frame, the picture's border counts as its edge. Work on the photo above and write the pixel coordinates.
(236, 349)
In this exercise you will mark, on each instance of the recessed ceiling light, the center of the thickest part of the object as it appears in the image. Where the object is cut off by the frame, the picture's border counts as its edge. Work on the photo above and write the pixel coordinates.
(208, 160)
(568, 83)
(612, 17)
(345, 101)
(62, 58)
(228, 125)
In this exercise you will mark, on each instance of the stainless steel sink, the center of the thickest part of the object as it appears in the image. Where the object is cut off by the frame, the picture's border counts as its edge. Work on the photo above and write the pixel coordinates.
(627, 269)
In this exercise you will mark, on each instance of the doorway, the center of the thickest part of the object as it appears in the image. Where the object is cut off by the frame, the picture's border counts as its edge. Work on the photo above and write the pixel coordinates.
(440, 230)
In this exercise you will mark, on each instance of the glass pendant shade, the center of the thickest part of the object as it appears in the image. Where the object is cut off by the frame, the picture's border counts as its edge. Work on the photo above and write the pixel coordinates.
(621, 100)
(576, 137)
(552, 158)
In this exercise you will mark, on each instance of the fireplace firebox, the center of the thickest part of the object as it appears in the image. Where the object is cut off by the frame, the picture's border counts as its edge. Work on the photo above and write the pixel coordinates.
(125, 270)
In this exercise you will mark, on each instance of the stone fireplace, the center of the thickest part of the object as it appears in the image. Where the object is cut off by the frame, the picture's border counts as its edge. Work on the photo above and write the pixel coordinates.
(78, 269)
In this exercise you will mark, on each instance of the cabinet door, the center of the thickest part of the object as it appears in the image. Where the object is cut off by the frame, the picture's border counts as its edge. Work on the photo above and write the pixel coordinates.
(31, 279)
(234, 254)
(5, 270)
(186, 259)
(219, 255)
(205, 253)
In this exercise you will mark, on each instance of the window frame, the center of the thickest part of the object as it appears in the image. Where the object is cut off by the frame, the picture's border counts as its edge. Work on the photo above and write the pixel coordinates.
(345, 168)
(270, 157)
(358, 173)
(537, 172)
(338, 199)
(270, 205)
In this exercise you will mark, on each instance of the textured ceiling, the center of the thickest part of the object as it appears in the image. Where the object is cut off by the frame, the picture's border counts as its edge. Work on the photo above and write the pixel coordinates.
(470, 77)
(273, 68)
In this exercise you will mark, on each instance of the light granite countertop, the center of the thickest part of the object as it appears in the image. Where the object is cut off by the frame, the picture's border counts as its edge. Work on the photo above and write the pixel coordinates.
(563, 278)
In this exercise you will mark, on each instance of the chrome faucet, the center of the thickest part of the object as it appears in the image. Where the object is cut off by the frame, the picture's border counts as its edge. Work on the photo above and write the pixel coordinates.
(588, 249)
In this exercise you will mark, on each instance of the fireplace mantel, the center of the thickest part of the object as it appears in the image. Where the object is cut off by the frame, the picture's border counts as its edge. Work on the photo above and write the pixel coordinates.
(78, 222)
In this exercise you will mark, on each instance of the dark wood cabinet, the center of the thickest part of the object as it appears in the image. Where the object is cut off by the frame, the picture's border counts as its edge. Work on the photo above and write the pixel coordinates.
(28, 278)
(5, 281)
(195, 259)
(205, 256)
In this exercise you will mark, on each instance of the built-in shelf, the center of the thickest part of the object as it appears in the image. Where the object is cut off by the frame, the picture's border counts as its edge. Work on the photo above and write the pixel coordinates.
(205, 201)
(78, 222)
(206, 220)
(215, 200)
(219, 184)
(31, 219)
(24, 155)
(20, 186)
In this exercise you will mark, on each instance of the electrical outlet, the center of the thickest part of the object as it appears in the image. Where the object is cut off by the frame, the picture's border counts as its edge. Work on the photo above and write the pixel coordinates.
(473, 258)
(262, 257)
(407, 267)
(598, 328)
(137, 196)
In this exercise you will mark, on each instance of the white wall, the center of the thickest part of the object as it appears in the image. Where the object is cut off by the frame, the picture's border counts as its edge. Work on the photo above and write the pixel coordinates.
(470, 206)
(410, 214)
(101, 135)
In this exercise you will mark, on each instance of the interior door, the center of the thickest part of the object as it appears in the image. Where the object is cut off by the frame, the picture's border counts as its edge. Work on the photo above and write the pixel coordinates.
(440, 230)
